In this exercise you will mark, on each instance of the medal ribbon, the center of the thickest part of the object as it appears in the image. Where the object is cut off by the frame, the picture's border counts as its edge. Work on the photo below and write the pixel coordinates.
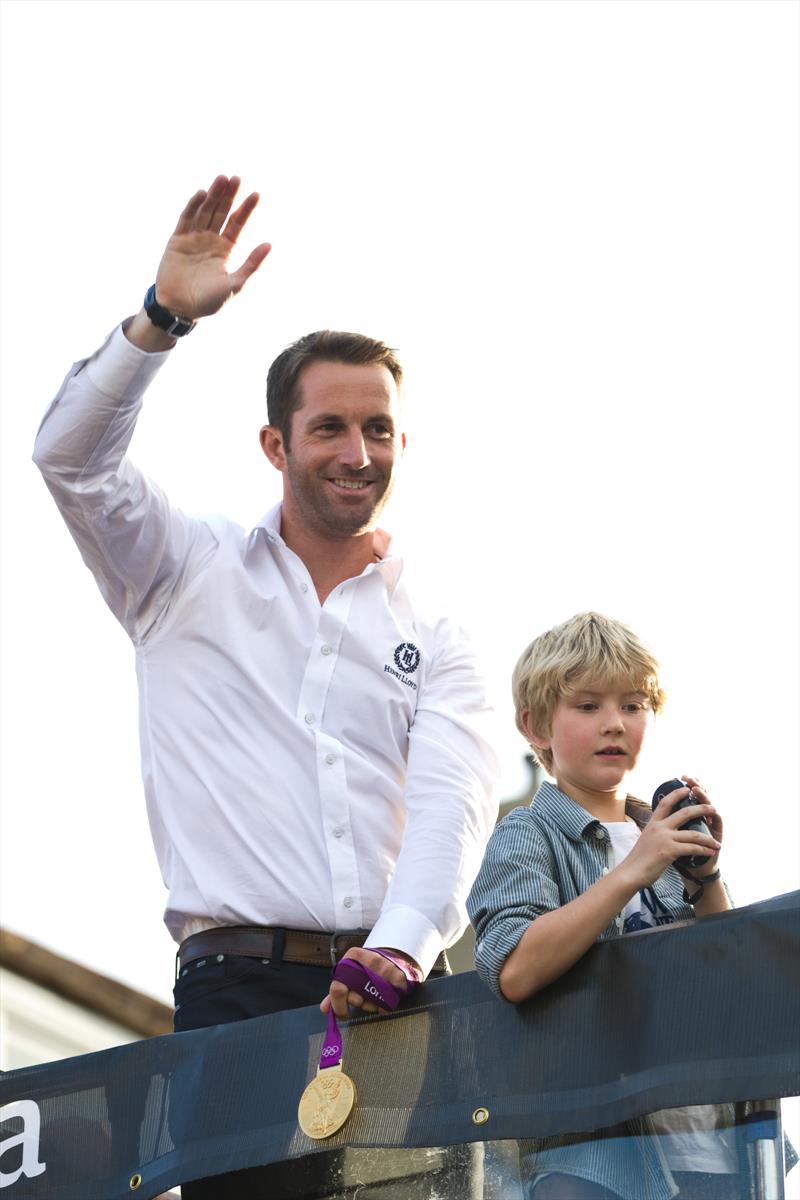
(331, 1053)
(373, 987)
(370, 985)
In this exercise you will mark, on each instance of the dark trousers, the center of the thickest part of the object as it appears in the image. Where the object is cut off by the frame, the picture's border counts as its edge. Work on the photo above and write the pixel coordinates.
(225, 988)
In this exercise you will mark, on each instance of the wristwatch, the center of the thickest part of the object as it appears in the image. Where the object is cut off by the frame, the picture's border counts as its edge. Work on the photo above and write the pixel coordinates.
(164, 319)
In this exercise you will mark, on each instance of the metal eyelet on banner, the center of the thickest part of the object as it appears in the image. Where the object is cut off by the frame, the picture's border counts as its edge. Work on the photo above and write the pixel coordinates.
(135, 1183)
(480, 1116)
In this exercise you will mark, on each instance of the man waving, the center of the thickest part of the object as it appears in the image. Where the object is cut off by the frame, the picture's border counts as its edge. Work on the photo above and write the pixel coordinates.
(314, 748)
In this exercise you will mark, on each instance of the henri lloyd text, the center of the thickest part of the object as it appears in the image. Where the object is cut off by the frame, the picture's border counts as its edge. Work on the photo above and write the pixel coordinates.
(408, 682)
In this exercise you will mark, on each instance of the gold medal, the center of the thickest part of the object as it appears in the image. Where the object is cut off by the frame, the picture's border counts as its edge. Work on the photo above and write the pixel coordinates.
(326, 1103)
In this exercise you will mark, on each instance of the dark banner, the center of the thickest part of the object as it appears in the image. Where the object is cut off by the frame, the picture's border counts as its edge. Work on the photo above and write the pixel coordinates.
(700, 1013)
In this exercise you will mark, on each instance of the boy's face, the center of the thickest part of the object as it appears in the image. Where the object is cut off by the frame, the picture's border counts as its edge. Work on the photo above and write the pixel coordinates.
(596, 738)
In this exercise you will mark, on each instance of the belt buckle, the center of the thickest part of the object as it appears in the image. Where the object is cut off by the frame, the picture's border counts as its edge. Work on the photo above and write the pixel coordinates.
(345, 933)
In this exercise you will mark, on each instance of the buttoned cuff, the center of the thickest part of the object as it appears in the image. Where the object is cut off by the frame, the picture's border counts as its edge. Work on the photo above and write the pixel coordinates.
(403, 928)
(118, 362)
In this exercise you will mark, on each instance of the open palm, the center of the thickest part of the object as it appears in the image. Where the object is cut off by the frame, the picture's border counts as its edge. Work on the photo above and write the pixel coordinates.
(193, 279)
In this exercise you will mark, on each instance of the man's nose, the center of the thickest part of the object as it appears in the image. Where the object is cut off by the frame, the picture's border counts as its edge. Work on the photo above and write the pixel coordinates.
(353, 451)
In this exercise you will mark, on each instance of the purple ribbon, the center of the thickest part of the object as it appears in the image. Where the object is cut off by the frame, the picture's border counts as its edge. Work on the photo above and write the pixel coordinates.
(331, 1053)
(370, 985)
(373, 987)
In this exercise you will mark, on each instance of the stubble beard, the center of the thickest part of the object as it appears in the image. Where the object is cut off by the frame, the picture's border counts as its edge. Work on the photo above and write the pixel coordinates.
(320, 512)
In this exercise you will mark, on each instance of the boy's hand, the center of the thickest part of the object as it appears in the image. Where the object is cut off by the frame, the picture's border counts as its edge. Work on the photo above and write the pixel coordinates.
(714, 822)
(663, 840)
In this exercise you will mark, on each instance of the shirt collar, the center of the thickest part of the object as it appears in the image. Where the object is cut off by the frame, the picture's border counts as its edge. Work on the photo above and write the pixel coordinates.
(565, 814)
(390, 562)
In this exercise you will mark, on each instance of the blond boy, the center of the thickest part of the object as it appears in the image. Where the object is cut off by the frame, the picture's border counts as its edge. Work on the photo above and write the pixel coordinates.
(587, 862)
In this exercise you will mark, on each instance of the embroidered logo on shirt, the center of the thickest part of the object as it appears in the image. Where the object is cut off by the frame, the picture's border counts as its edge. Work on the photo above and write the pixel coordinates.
(406, 658)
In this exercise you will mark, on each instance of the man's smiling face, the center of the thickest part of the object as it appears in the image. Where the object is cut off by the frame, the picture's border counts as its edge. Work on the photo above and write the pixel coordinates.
(344, 448)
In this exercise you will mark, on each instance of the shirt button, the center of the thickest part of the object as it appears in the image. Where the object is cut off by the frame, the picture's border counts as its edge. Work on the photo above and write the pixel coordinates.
(327, 649)
(330, 759)
(309, 718)
(337, 833)
(303, 587)
(598, 833)
(348, 901)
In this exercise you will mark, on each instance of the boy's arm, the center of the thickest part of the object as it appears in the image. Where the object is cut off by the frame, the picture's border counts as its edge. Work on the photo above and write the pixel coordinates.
(515, 885)
(557, 937)
(556, 940)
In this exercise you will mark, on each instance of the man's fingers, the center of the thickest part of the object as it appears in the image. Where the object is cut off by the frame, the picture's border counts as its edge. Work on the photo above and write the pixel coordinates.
(186, 219)
(223, 206)
(254, 260)
(206, 215)
(207, 212)
(238, 219)
(378, 964)
(342, 1005)
(341, 998)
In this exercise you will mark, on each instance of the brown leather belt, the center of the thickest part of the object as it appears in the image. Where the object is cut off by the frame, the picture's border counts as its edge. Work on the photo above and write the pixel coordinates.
(286, 945)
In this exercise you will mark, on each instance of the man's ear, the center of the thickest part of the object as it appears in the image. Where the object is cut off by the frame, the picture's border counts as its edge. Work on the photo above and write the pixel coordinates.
(271, 440)
(541, 743)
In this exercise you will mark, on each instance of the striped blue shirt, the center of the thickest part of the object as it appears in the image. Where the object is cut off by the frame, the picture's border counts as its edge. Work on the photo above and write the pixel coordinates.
(540, 858)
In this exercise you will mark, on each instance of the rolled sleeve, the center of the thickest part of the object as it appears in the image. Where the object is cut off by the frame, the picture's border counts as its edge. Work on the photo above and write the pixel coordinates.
(515, 885)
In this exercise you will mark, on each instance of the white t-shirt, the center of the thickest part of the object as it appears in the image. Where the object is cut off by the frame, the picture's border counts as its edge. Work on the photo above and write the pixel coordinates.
(685, 1133)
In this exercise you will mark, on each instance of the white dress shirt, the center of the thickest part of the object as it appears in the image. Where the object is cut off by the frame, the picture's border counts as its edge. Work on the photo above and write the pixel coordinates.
(312, 766)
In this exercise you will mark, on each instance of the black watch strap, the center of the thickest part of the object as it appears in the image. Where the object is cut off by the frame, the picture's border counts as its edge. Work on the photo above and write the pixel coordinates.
(163, 318)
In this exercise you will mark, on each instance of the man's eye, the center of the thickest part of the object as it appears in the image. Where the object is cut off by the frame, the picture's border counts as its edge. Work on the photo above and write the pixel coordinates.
(380, 430)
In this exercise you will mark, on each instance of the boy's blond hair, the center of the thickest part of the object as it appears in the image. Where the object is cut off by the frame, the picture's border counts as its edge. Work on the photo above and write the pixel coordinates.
(588, 647)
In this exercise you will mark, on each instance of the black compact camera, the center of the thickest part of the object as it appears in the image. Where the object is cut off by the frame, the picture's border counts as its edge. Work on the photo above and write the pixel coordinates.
(698, 824)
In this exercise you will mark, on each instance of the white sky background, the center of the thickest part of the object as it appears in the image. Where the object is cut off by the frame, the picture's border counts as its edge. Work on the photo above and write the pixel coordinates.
(578, 223)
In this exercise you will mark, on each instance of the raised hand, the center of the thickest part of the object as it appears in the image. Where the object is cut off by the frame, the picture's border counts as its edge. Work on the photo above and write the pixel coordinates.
(193, 279)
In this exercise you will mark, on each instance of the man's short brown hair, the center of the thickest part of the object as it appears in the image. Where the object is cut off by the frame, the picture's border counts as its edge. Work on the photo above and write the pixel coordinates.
(326, 345)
